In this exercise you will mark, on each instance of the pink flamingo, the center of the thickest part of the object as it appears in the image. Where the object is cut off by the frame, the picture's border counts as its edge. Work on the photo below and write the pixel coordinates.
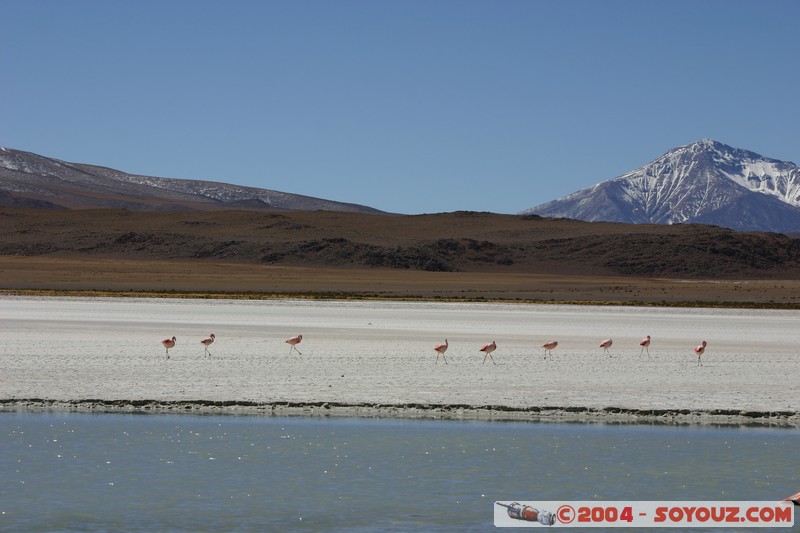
(549, 347)
(293, 342)
(488, 349)
(605, 345)
(794, 498)
(169, 343)
(699, 351)
(208, 342)
(440, 349)
(645, 344)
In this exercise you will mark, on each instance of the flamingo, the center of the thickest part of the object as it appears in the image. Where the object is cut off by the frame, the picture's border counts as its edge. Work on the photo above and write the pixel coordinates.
(208, 342)
(293, 342)
(699, 351)
(488, 349)
(605, 345)
(169, 343)
(549, 347)
(440, 349)
(645, 344)
(794, 498)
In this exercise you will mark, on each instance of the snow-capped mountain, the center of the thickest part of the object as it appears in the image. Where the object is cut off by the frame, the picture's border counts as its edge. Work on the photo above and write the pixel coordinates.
(706, 182)
(31, 180)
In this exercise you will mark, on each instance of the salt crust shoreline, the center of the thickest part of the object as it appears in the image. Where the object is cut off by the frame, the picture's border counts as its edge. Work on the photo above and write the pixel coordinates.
(661, 392)
(416, 411)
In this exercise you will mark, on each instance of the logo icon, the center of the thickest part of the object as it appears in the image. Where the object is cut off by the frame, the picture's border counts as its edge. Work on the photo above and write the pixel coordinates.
(565, 514)
(527, 513)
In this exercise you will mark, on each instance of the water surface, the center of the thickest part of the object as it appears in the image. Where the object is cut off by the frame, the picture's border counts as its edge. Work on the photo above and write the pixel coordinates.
(114, 472)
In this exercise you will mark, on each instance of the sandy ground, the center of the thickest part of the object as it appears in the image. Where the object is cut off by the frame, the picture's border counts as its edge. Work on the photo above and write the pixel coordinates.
(376, 359)
(42, 273)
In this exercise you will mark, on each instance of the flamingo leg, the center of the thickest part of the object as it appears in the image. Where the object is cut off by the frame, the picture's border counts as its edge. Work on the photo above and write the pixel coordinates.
(492, 357)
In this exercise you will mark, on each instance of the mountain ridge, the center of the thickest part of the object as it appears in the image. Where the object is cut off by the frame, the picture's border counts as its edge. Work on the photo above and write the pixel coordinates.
(36, 181)
(705, 182)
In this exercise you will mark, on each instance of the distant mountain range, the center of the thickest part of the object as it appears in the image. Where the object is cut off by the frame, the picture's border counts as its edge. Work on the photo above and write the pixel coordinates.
(165, 219)
(35, 181)
(706, 182)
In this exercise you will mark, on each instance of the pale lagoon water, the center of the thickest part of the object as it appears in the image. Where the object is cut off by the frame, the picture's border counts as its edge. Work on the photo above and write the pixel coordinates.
(117, 472)
(165, 472)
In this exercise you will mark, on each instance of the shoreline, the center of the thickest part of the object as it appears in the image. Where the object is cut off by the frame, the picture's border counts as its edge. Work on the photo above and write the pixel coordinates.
(333, 296)
(416, 411)
(375, 360)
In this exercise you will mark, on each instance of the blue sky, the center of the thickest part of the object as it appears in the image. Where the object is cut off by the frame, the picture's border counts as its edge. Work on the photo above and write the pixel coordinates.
(406, 106)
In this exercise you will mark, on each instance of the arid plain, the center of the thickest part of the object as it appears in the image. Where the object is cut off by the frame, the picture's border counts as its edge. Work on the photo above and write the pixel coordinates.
(463, 255)
(474, 258)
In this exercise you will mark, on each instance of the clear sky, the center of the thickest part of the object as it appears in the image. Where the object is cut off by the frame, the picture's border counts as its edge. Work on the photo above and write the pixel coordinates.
(409, 106)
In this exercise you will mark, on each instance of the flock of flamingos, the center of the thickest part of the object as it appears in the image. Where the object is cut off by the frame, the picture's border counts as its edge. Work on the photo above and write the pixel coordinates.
(487, 349)
(440, 349)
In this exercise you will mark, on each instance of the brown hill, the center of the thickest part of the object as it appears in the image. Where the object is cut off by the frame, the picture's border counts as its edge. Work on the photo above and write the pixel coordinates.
(448, 242)
(35, 181)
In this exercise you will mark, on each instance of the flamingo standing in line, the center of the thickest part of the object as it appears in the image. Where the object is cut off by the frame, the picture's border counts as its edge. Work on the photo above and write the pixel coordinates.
(169, 343)
(699, 351)
(645, 344)
(605, 345)
(440, 349)
(549, 347)
(488, 349)
(293, 342)
(208, 342)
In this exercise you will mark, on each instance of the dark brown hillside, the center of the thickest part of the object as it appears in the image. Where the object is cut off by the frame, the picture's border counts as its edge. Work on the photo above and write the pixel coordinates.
(35, 181)
(448, 242)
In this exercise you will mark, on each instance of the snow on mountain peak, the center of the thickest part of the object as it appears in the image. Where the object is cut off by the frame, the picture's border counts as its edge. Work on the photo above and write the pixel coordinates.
(705, 181)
